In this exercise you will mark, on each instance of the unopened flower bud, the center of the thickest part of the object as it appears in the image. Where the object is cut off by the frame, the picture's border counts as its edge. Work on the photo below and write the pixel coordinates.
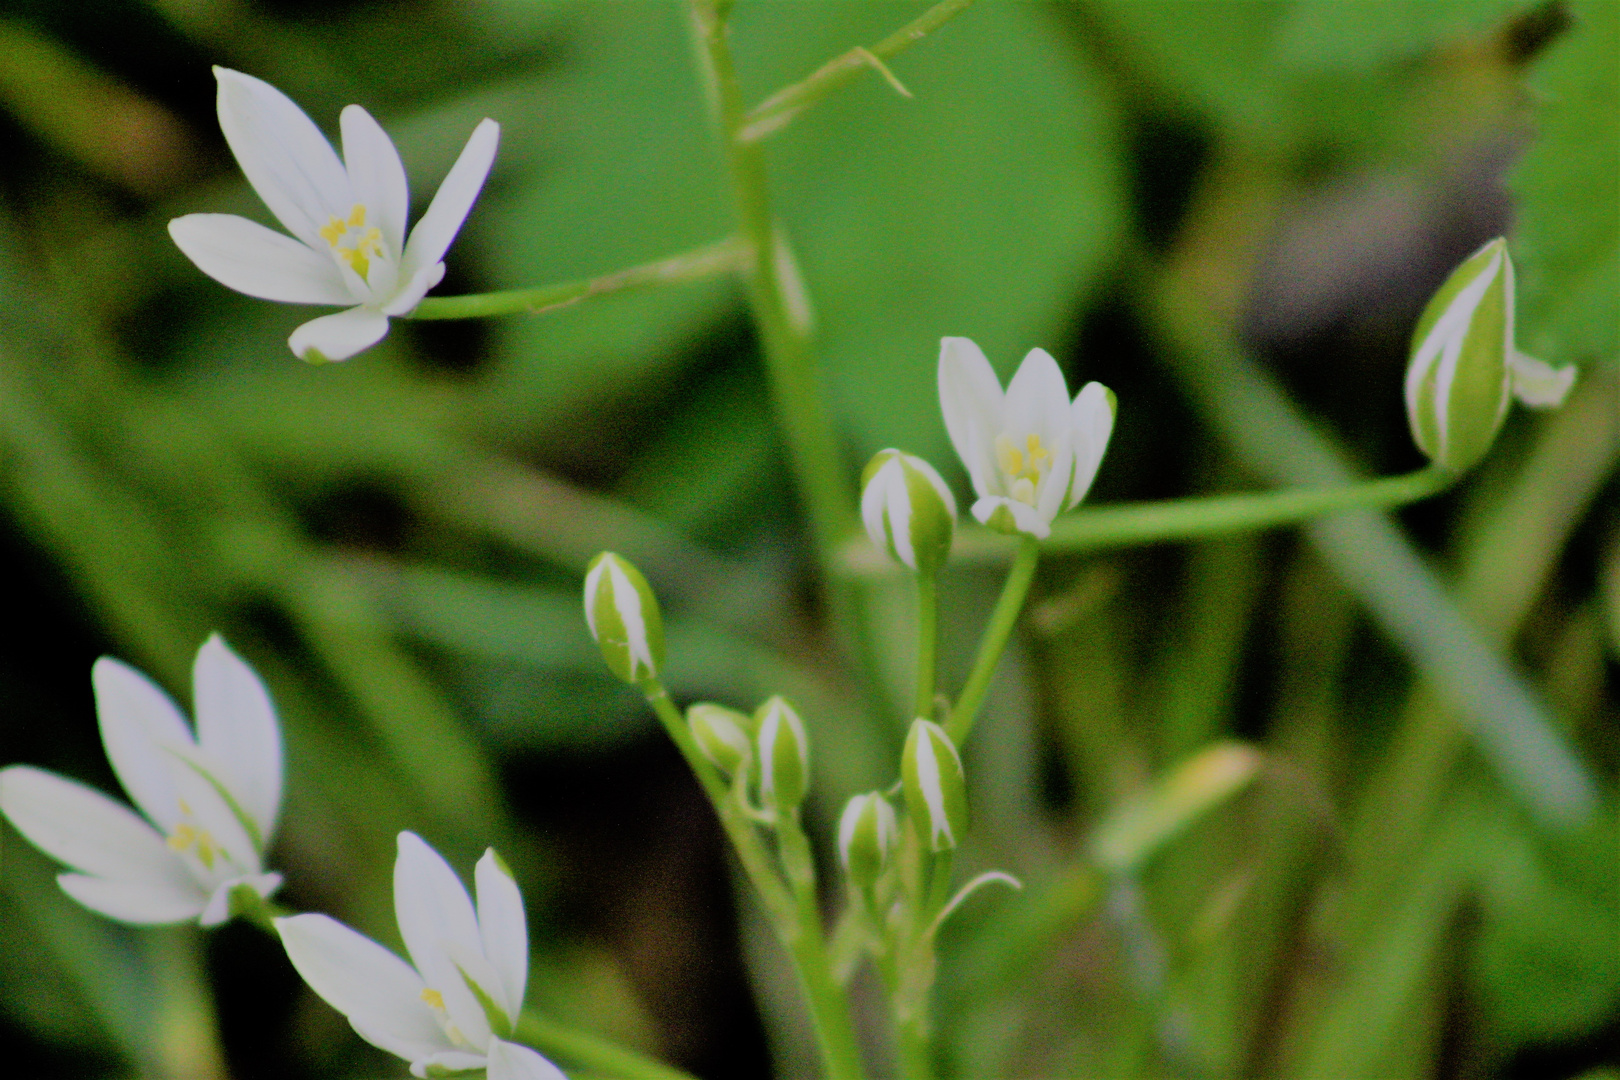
(866, 834)
(722, 734)
(908, 510)
(784, 755)
(1464, 367)
(936, 791)
(622, 613)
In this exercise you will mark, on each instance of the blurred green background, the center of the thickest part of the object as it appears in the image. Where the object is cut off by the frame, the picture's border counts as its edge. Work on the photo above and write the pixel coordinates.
(1407, 889)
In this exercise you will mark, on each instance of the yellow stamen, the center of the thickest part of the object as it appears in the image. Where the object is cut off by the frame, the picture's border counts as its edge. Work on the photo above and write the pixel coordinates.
(1038, 455)
(187, 836)
(1008, 456)
(362, 248)
(434, 999)
(1024, 468)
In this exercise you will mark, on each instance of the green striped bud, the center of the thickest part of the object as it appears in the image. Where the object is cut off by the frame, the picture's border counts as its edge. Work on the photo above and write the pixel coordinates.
(908, 510)
(936, 791)
(1465, 367)
(724, 735)
(622, 613)
(784, 755)
(866, 834)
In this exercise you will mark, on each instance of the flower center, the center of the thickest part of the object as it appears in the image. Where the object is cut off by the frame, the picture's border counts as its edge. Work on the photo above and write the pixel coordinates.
(1023, 467)
(353, 241)
(187, 837)
(435, 1001)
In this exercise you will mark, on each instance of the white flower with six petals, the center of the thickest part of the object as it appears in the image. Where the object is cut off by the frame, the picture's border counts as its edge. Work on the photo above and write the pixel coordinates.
(210, 801)
(1030, 453)
(347, 218)
(455, 1005)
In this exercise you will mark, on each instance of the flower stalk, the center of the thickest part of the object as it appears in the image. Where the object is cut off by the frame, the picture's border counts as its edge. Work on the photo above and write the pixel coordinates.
(994, 642)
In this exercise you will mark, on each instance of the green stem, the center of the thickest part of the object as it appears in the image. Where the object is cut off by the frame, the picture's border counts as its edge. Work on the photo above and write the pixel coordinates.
(591, 1052)
(1196, 518)
(708, 261)
(793, 913)
(778, 110)
(995, 640)
(927, 642)
(776, 304)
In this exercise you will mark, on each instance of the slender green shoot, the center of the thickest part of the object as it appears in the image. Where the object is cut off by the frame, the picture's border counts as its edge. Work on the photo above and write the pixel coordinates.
(711, 260)
(778, 110)
(994, 642)
(927, 642)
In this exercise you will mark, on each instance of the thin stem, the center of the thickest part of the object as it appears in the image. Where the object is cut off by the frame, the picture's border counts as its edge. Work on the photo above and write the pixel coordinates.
(778, 110)
(994, 642)
(927, 642)
(829, 1008)
(777, 304)
(591, 1052)
(1196, 518)
(711, 260)
(793, 913)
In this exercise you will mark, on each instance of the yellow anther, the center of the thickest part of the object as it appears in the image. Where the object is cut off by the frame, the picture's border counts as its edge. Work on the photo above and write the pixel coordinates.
(434, 999)
(187, 837)
(1024, 467)
(1008, 456)
(333, 230)
(357, 216)
(1038, 455)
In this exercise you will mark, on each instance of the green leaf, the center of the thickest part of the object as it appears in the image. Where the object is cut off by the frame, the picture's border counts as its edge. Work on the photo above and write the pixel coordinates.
(1568, 242)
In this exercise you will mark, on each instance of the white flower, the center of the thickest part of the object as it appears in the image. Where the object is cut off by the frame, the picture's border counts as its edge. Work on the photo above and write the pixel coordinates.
(455, 1004)
(622, 615)
(213, 799)
(1029, 452)
(348, 218)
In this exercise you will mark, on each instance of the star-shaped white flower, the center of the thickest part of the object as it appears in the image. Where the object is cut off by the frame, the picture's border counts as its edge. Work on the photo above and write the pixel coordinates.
(1030, 453)
(210, 802)
(347, 218)
(455, 1005)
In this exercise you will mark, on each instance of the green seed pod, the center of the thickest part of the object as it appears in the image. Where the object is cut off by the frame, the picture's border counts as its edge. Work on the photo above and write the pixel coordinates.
(623, 617)
(866, 835)
(936, 791)
(722, 734)
(784, 755)
(908, 510)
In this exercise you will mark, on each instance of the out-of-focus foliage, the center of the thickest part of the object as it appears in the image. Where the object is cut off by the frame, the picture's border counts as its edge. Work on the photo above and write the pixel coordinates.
(396, 542)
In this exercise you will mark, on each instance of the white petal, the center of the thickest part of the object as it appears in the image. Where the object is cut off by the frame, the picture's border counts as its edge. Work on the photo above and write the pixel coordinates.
(236, 725)
(898, 512)
(245, 256)
(437, 921)
(1054, 486)
(138, 722)
(1537, 383)
(339, 336)
(379, 993)
(412, 292)
(1037, 400)
(218, 908)
(284, 156)
(1092, 421)
(971, 399)
(1026, 517)
(376, 175)
(83, 828)
(453, 201)
(509, 1061)
(139, 903)
(504, 931)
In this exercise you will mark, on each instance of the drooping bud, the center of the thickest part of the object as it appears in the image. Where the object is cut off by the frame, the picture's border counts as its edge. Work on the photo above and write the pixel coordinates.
(722, 734)
(908, 510)
(936, 791)
(866, 834)
(1464, 366)
(784, 755)
(623, 616)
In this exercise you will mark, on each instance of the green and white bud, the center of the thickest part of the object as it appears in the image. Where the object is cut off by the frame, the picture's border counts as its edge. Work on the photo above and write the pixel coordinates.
(784, 755)
(867, 832)
(1465, 368)
(724, 735)
(623, 616)
(908, 510)
(936, 791)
